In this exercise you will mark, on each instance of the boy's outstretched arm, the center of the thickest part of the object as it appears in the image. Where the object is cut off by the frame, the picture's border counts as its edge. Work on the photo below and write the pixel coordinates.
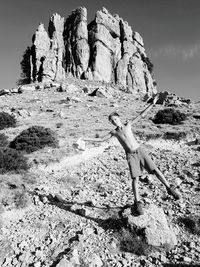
(99, 139)
(145, 111)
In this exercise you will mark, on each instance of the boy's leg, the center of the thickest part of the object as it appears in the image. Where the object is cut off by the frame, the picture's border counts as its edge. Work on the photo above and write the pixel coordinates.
(135, 171)
(152, 168)
(135, 188)
(170, 190)
(137, 207)
(161, 177)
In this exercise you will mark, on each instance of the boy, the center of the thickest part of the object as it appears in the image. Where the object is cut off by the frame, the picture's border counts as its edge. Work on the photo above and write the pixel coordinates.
(136, 157)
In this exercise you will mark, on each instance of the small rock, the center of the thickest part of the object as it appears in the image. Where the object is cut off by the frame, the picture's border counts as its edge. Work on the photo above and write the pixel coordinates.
(96, 261)
(37, 264)
(25, 88)
(80, 144)
(64, 263)
(192, 244)
(70, 88)
(187, 259)
(53, 84)
(14, 90)
(4, 92)
(101, 92)
(163, 259)
(86, 90)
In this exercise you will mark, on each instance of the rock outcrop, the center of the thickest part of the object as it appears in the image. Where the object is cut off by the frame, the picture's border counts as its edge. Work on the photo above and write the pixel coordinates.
(104, 50)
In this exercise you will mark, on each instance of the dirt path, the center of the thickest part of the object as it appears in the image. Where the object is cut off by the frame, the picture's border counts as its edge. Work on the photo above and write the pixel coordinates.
(74, 160)
(90, 153)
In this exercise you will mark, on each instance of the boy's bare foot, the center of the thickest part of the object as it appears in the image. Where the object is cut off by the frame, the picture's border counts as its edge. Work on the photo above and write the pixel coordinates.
(171, 191)
(137, 209)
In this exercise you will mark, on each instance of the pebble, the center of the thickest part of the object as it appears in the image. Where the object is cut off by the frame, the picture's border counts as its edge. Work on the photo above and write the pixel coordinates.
(187, 259)
(37, 264)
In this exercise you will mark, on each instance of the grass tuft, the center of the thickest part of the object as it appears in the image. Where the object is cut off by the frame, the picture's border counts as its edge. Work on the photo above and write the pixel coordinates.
(7, 120)
(12, 161)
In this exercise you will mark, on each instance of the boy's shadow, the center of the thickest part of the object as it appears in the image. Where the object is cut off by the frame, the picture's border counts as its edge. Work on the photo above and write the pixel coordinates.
(114, 222)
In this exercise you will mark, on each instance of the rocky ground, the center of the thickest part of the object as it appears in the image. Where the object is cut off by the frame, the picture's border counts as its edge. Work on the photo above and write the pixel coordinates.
(66, 210)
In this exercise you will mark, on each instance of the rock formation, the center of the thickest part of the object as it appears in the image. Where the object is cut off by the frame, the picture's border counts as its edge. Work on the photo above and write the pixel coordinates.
(104, 50)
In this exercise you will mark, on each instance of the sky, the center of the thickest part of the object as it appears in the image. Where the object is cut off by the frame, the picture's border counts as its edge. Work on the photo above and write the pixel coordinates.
(170, 29)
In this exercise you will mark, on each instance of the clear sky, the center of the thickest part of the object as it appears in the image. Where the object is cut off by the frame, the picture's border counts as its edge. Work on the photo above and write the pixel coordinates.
(170, 29)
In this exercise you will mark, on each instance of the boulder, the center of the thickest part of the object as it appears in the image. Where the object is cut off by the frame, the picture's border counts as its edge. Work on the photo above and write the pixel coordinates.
(101, 92)
(152, 227)
(26, 88)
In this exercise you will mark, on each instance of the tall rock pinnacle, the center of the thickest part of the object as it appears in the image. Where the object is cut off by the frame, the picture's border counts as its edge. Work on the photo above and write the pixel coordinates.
(106, 50)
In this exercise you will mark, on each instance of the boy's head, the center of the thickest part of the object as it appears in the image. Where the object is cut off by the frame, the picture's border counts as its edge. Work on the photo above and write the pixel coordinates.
(114, 118)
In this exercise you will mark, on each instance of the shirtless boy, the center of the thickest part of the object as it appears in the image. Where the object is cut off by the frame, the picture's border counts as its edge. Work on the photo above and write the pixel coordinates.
(136, 157)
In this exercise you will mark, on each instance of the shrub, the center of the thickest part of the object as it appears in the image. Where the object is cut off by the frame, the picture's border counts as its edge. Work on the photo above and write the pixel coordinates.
(3, 140)
(175, 135)
(192, 224)
(169, 116)
(33, 139)
(12, 160)
(6, 120)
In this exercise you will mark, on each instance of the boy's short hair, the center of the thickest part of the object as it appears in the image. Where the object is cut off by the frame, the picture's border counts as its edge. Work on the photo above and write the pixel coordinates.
(112, 115)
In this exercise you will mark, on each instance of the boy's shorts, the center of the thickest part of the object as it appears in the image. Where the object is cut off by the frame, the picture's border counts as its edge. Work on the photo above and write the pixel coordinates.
(138, 160)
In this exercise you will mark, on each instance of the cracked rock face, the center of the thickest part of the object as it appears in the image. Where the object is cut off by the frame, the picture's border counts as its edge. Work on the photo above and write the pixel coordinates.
(104, 50)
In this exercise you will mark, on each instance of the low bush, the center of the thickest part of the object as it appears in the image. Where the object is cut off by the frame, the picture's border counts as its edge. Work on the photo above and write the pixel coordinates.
(192, 224)
(3, 140)
(169, 116)
(6, 120)
(175, 135)
(33, 139)
(12, 160)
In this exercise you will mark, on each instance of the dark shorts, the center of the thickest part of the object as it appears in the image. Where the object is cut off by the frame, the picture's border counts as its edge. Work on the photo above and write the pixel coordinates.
(138, 160)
